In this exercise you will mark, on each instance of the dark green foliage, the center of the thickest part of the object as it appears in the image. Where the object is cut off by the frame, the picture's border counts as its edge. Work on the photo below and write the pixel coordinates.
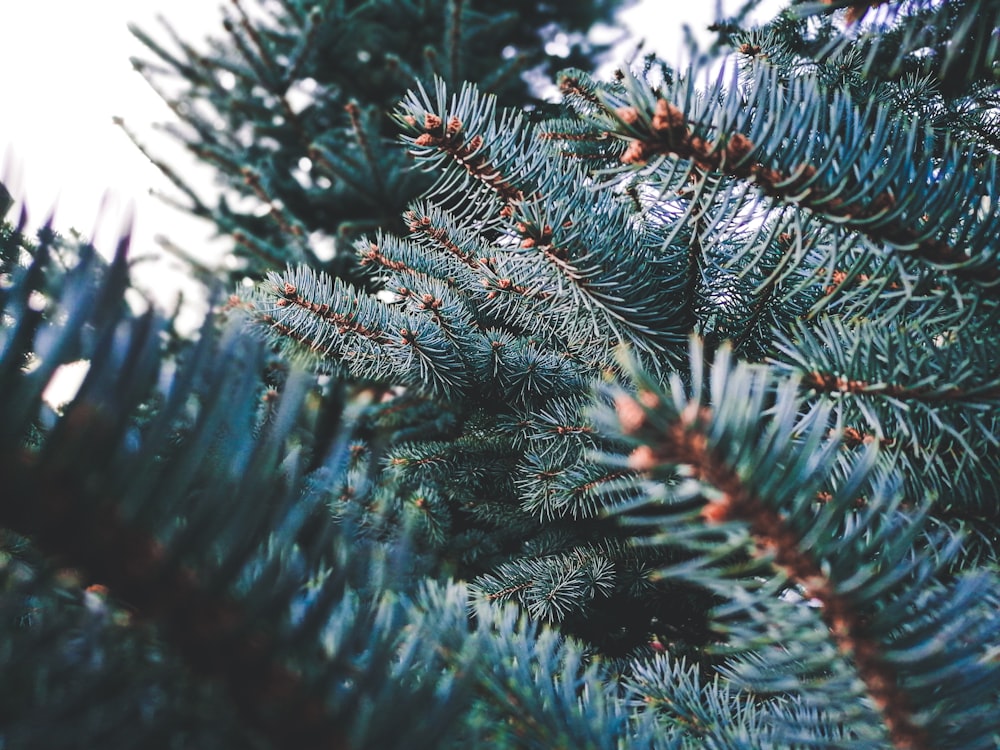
(874, 580)
(289, 108)
(938, 64)
(152, 591)
(806, 221)
(195, 535)
(693, 385)
(502, 315)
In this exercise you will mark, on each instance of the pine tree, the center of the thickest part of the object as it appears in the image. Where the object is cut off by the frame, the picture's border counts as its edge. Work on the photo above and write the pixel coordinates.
(690, 384)
(289, 107)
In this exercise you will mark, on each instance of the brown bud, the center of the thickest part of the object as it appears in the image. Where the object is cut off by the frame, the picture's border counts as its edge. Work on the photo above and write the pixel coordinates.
(717, 511)
(738, 147)
(649, 399)
(642, 459)
(628, 115)
(630, 415)
(666, 116)
(636, 153)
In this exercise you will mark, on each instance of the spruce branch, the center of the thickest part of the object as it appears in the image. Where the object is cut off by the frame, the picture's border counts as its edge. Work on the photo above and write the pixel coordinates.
(424, 225)
(686, 443)
(725, 489)
(201, 536)
(713, 141)
(451, 138)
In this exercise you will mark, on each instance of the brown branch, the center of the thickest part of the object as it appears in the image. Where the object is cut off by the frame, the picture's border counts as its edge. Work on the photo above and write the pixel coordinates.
(600, 140)
(252, 179)
(451, 138)
(373, 256)
(345, 323)
(669, 133)
(857, 11)
(830, 383)
(610, 477)
(570, 86)
(573, 137)
(422, 225)
(685, 442)
(510, 590)
(495, 286)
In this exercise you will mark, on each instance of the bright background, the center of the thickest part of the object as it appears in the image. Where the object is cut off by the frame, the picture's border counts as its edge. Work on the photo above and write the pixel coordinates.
(66, 73)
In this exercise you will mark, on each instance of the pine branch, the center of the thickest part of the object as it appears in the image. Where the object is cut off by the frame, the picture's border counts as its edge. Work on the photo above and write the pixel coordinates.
(755, 498)
(883, 211)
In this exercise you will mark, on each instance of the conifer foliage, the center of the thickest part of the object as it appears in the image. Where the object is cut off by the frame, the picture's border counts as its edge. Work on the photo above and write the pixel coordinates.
(289, 107)
(665, 420)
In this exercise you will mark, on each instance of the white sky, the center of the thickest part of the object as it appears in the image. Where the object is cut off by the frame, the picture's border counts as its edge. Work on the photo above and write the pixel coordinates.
(67, 73)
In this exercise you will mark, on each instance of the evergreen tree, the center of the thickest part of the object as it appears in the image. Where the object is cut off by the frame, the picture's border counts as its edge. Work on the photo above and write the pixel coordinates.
(289, 107)
(691, 384)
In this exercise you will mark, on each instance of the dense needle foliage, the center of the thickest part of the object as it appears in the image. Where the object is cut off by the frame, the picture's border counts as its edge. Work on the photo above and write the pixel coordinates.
(665, 416)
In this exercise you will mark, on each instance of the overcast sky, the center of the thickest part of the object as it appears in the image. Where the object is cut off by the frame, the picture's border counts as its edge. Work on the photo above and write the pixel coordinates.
(66, 73)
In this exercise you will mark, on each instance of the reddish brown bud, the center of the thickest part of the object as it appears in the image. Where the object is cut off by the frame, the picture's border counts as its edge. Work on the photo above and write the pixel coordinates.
(630, 415)
(717, 511)
(738, 147)
(666, 116)
(642, 459)
(628, 115)
(636, 153)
